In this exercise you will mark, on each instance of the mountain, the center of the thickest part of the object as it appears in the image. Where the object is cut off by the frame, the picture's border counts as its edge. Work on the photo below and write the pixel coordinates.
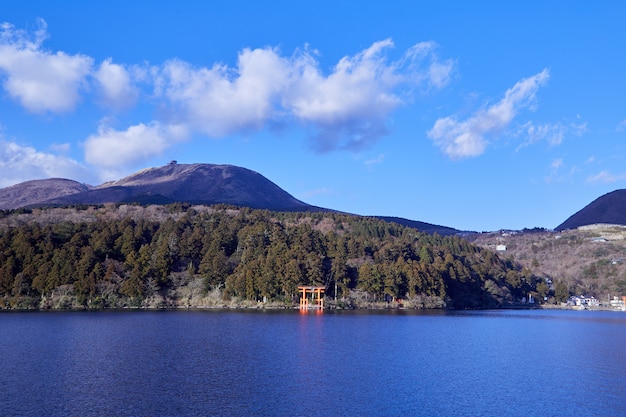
(608, 209)
(34, 192)
(189, 183)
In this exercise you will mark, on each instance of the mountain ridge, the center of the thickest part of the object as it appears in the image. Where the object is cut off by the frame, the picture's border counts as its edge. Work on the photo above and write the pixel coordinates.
(197, 183)
(209, 184)
(193, 183)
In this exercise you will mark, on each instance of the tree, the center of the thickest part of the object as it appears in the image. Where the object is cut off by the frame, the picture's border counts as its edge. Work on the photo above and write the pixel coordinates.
(371, 279)
(542, 290)
(253, 253)
(561, 292)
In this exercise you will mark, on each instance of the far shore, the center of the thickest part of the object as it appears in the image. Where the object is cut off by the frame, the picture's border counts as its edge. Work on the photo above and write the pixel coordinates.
(246, 305)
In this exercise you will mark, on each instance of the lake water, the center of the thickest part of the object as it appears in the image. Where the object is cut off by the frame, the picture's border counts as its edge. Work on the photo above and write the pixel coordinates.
(225, 363)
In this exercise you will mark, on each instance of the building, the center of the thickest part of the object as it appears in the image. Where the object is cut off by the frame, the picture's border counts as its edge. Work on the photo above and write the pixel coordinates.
(582, 301)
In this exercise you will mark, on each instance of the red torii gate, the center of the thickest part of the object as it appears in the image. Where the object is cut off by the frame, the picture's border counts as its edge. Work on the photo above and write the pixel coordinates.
(315, 293)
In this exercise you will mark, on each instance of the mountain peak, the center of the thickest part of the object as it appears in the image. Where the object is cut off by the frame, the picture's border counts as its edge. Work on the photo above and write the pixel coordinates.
(167, 173)
(607, 209)
(192, 183)
(199, 183)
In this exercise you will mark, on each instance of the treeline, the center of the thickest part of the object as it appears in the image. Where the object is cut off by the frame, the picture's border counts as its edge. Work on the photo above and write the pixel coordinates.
(116, 261)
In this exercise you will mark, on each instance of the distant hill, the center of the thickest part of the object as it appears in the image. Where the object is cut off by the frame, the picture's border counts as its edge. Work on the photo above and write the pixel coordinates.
(421, 226)
(205, 184)
(609, 209)
(34, 192)
(584, 261)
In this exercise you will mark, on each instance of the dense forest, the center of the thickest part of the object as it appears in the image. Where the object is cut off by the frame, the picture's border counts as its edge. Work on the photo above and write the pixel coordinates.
(198, 256)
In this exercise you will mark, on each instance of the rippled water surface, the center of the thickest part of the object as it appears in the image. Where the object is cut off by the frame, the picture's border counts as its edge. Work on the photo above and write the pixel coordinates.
(202, 363)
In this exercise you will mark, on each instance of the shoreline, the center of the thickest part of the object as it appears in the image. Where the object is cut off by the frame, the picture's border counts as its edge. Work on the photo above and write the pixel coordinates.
(274, 306)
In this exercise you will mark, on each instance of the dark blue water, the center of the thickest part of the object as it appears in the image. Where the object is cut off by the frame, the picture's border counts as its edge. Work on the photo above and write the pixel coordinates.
(509, 363)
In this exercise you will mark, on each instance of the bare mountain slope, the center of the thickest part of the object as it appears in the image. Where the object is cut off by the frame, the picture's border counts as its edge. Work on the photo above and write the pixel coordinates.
(36, 191)
(607, 209)
(194, 183)
(186, 183)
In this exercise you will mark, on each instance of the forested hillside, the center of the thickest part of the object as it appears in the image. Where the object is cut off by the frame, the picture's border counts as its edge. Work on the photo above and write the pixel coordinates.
(590, 260)
(183, 256)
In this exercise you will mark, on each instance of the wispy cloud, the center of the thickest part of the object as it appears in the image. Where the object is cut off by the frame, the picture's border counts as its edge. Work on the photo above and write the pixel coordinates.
(606, 177)
(559, 171)
(556, 164)
(375, 161)
(469, 138)
(552, 133)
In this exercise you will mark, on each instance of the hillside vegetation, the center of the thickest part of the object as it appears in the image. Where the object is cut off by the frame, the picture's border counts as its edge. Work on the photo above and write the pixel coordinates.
(587, 261)
(197, 256)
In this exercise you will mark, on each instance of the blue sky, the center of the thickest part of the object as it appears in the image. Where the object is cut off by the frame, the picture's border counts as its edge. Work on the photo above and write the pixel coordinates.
(475, 115)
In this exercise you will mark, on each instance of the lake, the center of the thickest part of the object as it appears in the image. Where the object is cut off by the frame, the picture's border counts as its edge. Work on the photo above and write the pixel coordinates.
(285, 363)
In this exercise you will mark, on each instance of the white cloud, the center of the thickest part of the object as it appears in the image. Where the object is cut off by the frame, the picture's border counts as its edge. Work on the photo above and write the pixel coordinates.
(606, 177)
(115, 85)
(39, 80)
(221, 101)
(346, 109)
(350, 107)
(552, 133)
(22, 163)
(358, 86)
(113, 150)
(469, 138)
(439, 73)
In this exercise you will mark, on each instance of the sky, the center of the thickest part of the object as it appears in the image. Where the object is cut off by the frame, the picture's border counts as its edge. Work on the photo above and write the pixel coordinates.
(481, 115)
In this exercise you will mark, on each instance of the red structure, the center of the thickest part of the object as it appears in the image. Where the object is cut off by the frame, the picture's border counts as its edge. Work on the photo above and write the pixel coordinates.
(311, 297)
